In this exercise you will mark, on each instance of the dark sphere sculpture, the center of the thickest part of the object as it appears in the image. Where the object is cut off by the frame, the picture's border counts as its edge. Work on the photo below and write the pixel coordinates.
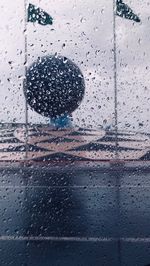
(55, 86)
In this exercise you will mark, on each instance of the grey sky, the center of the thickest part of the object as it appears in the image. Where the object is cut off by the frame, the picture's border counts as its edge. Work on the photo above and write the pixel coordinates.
(85, 27)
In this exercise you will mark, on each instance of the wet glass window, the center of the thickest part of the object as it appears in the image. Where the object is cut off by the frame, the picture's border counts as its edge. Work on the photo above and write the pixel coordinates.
(74, 132)
(76, 66)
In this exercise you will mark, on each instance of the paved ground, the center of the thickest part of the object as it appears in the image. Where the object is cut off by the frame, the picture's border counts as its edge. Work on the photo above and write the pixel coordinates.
(78, 217)
(44, 143)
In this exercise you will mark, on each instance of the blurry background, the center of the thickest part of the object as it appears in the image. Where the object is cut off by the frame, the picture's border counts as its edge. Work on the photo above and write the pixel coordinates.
(82, 31)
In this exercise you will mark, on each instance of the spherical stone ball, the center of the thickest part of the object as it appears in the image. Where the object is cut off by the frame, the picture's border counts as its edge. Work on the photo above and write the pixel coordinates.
(54, 86)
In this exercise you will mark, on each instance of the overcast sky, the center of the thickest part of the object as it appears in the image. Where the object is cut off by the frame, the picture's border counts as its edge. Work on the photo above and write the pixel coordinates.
(82, 31)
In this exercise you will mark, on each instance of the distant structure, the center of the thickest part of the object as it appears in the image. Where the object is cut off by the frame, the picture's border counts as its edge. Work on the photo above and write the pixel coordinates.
(55, 87)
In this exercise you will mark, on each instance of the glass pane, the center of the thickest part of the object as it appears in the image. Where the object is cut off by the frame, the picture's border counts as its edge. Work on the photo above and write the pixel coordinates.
(12, 67)
(12, 107)
(133, 83)
(76, 39)
(74, 132)
(80, 35)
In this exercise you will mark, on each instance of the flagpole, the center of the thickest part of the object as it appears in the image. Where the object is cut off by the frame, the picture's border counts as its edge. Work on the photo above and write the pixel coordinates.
(25, 77)
(116, 126)
(115, 79)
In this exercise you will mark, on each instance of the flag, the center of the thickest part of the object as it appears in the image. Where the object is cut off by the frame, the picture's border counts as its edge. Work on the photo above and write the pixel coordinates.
(125, 11)
(38, 15)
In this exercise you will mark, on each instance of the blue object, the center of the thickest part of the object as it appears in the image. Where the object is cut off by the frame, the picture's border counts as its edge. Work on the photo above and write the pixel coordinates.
(61, 121)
